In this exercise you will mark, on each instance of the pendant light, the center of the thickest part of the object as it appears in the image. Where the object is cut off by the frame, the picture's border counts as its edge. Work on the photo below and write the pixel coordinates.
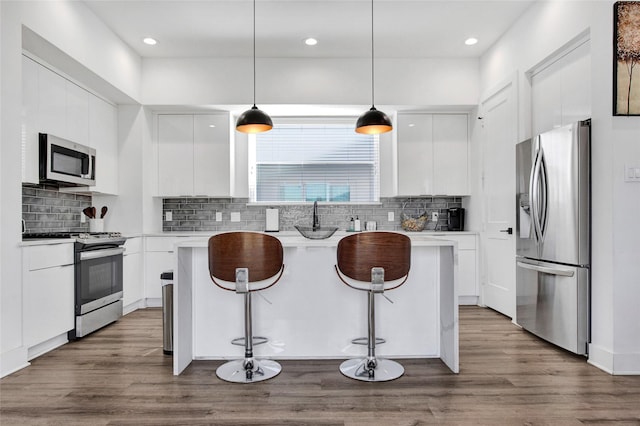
(254, 120)
(373, 122)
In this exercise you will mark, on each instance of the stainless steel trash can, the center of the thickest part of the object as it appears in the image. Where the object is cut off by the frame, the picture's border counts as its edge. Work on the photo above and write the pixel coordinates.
(167, 312)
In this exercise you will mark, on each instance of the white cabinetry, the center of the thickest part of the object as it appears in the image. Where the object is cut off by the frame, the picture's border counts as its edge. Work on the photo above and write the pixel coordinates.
(194, 155)
(48, 296)
(55, 105)
(103, 136)
(467, 266)
(159, 257)
(433, 154)
(133, 283)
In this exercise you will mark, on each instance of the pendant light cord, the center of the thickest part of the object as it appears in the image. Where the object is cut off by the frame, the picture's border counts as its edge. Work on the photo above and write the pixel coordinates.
(372, 66)
(254, 53)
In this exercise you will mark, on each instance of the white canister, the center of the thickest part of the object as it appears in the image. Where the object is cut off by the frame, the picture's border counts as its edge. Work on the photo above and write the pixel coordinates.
(96, 225)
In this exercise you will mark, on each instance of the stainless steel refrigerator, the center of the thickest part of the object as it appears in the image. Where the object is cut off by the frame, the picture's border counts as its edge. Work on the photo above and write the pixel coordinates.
(553, 251)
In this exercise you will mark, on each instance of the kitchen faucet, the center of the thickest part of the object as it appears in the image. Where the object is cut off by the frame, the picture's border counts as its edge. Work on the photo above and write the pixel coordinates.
(316, 219)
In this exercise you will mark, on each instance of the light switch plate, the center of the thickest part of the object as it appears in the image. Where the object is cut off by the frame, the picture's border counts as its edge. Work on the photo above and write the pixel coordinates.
(235, 216)
(218, 216)
(434, 216)
(168, 216)
(390, 217)
(631, 173)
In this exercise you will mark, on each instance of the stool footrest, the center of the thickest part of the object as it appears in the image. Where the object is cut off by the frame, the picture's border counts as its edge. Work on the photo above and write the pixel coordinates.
(365, 341)
(257, 340)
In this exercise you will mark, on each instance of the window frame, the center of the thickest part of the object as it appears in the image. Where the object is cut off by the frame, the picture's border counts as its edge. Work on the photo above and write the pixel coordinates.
(312, 120)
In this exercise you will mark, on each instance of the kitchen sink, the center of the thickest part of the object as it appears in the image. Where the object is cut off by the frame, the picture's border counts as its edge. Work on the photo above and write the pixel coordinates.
(319, 233)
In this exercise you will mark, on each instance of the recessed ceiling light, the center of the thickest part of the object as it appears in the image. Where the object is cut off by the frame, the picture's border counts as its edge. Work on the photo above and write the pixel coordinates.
(471, 41)
(212, 125)
(150, 41)
(310, 41)
(412, 125)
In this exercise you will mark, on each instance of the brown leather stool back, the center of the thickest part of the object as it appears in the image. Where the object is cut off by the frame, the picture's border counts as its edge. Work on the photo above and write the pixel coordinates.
(358, 253)
(262, 254)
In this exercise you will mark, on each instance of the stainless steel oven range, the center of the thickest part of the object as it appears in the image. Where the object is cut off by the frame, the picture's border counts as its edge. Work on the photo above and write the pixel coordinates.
(98, 281)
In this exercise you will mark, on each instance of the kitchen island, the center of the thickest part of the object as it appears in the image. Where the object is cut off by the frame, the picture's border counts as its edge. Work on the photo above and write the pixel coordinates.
(311, 314)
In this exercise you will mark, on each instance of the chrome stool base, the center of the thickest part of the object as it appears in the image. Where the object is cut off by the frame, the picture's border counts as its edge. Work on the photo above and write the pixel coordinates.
(235, 372)
(384, 371)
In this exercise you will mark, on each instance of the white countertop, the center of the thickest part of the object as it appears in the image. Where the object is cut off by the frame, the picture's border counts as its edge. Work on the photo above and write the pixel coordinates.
(294, 239)
(289, 238)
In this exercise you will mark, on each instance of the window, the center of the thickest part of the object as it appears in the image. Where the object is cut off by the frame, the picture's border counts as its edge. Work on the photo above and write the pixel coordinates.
(314, 161)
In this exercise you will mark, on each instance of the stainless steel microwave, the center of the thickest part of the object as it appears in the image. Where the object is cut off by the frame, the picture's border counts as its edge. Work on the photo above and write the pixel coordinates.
(66, 163)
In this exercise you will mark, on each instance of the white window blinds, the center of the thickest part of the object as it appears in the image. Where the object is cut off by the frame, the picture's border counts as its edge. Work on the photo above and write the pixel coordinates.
(314, 162)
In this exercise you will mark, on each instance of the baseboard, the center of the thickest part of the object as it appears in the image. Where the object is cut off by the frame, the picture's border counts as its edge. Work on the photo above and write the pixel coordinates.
(612, 363)
(468, 300)
(46, 346)
(13, 360)
(153, 302)
(138, 304)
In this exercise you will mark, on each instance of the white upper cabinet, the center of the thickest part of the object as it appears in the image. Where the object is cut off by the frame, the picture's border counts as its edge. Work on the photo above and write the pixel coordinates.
(433, 154)
(211, 155)
(30, 101)
(193, 155)
(175, 155)
(415, 154)
(103, 136)
(450, 154)
(77, 114)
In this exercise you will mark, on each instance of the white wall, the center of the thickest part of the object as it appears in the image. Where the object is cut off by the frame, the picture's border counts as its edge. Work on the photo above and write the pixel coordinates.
(334, 81)
(543, 30)
(77, 37)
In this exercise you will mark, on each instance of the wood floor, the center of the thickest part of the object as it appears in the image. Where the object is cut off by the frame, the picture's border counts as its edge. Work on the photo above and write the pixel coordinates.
(119, 375)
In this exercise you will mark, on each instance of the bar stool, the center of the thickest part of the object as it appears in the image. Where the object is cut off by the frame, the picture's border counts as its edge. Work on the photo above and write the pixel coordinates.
(373, 262)
(246, 262)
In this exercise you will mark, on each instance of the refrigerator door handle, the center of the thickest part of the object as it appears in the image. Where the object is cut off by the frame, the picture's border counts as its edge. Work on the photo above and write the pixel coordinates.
(543, 195)
(546, 269)
(533, 192)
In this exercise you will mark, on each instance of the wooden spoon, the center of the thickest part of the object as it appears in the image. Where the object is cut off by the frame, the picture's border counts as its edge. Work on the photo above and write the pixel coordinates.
(87, 212)
(103, 211)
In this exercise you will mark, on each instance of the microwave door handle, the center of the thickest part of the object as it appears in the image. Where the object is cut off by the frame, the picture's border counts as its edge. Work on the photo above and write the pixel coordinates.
(546, 270)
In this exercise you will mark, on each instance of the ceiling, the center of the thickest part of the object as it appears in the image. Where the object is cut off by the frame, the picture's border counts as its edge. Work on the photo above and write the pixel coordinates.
(403, 28)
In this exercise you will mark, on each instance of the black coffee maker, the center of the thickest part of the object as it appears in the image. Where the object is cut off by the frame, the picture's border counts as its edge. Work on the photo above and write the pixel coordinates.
(456, 219)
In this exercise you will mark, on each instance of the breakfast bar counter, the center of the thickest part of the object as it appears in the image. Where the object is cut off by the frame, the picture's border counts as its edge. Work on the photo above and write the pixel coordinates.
(311, 314)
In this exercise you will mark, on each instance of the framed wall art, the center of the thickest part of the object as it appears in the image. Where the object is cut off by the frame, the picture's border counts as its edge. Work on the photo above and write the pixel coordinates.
(626, 58)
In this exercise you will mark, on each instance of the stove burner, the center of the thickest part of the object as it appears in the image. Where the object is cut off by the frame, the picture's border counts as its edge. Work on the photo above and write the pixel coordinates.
(83, 236)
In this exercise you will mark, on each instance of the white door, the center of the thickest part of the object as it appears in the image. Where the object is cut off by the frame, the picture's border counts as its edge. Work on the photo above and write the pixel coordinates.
(499, 141)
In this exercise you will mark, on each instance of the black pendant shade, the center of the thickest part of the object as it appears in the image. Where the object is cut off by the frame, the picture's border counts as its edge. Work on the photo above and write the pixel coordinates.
(254, 120)
(373, 122)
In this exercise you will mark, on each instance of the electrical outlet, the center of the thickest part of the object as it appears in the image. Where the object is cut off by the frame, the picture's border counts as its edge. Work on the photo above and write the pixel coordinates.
(218, 216)
(83, 218)
(434, 216)
(235, 216)
(391, 216)
(168, 216)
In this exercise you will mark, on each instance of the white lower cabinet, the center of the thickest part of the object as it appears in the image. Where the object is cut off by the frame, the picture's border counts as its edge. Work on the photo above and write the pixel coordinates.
(133, 283)
(48, 296)
(467, 266)
(159, 257)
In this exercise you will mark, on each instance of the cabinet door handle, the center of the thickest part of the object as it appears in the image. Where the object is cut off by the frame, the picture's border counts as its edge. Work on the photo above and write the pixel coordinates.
(508, 230)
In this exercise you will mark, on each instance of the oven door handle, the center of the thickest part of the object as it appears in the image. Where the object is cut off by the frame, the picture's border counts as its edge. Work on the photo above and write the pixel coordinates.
(96, 254)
